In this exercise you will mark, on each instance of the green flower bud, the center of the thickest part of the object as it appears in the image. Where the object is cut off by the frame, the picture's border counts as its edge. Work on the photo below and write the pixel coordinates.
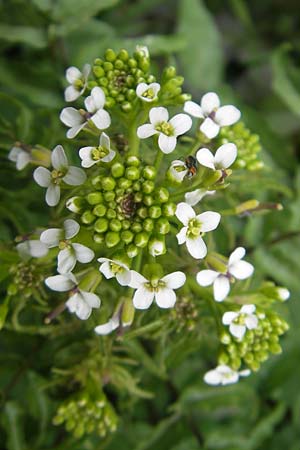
(108, 183)
(162, 225)
(132, 250)
(101, 225)
(112, 239)
(76, 204)
(142, 212)
(117, 170)
(88, 217)
(168, 209)
(123, 55)
(223, 358)
(141, 239)
(115, 225)
(107, 66)
(126, 224)
(148, 187)
(149, 172)
(148, 224)
(100, 210)
(98, 71)
(96, 182)
(157, 246)
(94, 198)
(110, 55)
(136, 227)
(124, 183)
(98, 238)
(109, 196)
(133, 161)
(136, 186)
(162, 195)
(154, 212)
(111, 214)
(132, 173)
(138, 197)
(127, 236)
(128, 311)
(169, 72)
(148, 200)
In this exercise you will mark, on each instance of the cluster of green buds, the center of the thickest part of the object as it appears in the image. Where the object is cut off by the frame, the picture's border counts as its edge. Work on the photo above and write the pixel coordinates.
(26, 278)
(256, 346)
(185, 314)
(85, 413)
(248, 145)
(126, 207)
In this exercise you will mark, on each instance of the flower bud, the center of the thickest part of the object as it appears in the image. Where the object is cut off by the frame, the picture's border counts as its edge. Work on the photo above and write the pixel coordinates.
(87, 217)
(161, 195)
(115, 225)
(133, 161)
(112, 238)
(148, 224)
(101, 225)
(132, 250)
(148, 187)
(132, 173)
(154, 212)
(117, 170)
(100, 210)
(141, 239)
(128, 312)
(127, 236)
(168, 209)
(108, 183)
(149, 172)
(157, 246)
(75, 204)
(94, 198)
(162, 225)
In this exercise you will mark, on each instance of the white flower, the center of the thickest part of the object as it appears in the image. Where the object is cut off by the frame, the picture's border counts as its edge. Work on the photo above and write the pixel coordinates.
(224, 157)
(113, 268)
(32, 248)
(148, 92)
(194, 197)
(168, 130)
(62, 172)
(214, 116)
(194, 227)
(240, 321)
(283, 293)
(77, 80)
(80, 302)
(221, 281)
(69, 253)
(178, 170)
(20, 156)
(108, 327)
(160, 290)
(77, 120)
(93, 155)
(224, 375)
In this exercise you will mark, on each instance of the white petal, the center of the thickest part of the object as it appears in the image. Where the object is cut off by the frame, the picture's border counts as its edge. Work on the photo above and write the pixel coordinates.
(166, 143)
(241, 270)
(136, 279)
(72, 132)
(206, 158)
(22, 160)
(227, 115)
(193, 109)
(174, 280)
(237, 331)
(71, 117)
(210, 128)
(194, 197)
(52, 237)
(42, 176)
(109, 157)
(221, 288)
(66, 261)
(209, 220)
(181, 123)
(33, 248)
(142, 298)
(74, 176)
(61, 283)
(85, 154)
(91, 299)
(196, 247)
(101, 119)
(71, 228)
(248, 309)
(58, 158)
(184, 213)
(105, 268)
(206, 277)
(86, 70)
(251, 322)
(210, 102)
(98, 97)
(145, 131)
(181, 236)
(83, 254)
(76, 304)
(124, 277)
(212, 377)
(73, 74)
(244, 373)
(14, 153)
(229, 317)
(165, 298)
(104, 141)
(225, 156)
(158, 115)
(236, 255)
(141, 88)
(233, 378)
(108, 327)
(71, 94)
(53, 195)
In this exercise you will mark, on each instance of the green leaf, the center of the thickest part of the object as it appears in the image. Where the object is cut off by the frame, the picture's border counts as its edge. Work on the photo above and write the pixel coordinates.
(79, 10)
(281, 84)
(34, 37)
(202, 59)
(12, 421)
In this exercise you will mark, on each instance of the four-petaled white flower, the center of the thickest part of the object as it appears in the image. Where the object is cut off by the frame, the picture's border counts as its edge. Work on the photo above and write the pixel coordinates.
(148, 92)
(224, 375)
(240, 321)
(32, 248)
(62, 172)
(224, 157)
(78, 82)
(80, 302)
(221, 281)
(178, 170)
(69, 253)
(77, 120)
(168, 130)
(108, 327)
(113, 268)
(194, 197)
(194, 227)
(93, 155)
(214, 116)
(21, 156)
(161, 290)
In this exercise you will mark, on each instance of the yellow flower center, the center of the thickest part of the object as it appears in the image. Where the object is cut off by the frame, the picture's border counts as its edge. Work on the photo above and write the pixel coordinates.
(99, 152)
(165, 128)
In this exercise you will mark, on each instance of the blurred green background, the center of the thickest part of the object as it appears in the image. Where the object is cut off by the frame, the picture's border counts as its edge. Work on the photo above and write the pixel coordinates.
(249, 53)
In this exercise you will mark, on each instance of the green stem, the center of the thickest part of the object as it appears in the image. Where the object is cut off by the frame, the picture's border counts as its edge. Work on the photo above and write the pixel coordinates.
(158, 159)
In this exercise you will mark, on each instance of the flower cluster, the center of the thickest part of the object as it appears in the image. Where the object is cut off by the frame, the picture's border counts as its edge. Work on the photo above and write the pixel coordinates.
(134, 215)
